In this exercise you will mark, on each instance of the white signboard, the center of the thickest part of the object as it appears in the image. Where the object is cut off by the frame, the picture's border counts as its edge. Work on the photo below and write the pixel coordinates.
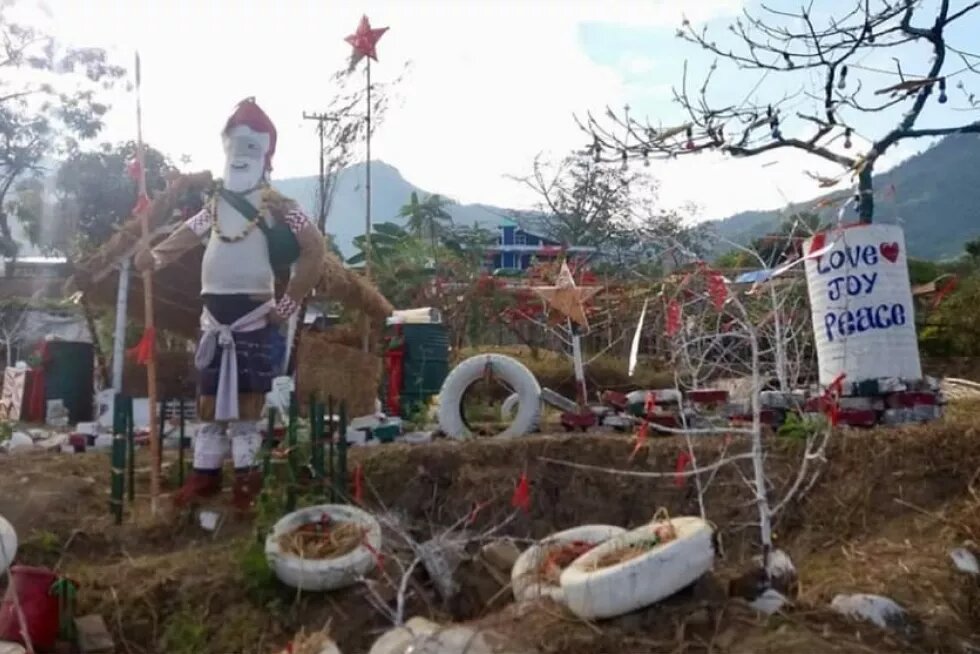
(861, 302)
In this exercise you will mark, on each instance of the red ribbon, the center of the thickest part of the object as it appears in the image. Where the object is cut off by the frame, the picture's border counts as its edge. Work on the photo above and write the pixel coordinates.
(143, 351)
(134, 170)
(717, 290)
(642, 433)
(683, 460)
(673, 317)
(359, 484)
(522, 494)
(946, 289)
(831, 398)
(142, 204)
(477, 507)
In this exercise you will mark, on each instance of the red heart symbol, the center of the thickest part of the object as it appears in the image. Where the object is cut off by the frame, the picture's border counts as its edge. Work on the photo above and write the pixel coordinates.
(889, 251)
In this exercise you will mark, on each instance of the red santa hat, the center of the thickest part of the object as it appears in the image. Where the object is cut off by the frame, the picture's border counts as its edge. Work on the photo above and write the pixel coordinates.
(251, 115)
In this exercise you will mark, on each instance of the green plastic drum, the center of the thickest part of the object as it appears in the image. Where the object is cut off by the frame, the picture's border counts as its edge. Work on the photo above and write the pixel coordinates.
(425, 364)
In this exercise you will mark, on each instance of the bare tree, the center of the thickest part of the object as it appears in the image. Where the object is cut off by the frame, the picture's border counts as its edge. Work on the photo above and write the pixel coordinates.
(583, 202)
(717, 330)
(347, 129)
(799, 47)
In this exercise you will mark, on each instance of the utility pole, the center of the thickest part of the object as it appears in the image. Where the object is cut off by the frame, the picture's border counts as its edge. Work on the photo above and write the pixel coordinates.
(322, 179)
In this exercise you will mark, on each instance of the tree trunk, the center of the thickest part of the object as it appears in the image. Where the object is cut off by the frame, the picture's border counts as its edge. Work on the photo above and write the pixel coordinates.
(866, 201)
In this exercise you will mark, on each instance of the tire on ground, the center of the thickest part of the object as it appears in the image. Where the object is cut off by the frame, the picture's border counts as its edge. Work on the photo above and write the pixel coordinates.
(512, 371)
(509, 407)
(323, 574)
(523, 576)
(644, 580)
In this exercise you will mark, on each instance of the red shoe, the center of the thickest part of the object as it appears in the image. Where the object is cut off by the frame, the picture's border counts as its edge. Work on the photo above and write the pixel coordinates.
(246, 490)
(198, 486)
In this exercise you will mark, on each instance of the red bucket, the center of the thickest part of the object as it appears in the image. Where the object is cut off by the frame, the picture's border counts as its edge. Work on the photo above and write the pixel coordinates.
(39, 604)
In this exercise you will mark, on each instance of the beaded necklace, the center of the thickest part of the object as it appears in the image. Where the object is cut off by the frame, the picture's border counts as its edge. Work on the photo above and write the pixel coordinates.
(249, 224)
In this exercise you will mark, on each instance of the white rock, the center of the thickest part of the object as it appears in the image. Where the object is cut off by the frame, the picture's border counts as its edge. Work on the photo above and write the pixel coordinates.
(769, 601)
(878, 610)
(20, 441)
(965, 561)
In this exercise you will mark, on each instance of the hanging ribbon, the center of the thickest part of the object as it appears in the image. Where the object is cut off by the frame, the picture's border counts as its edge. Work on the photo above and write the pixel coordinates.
(641, 438)
(475, 511)
(143, 351)
(831, 399)
(135, 170)
(717, 290)
(673, 318)
(683, 460)
(359, 483)
(945, 290)
(142, 204)
(522, 494)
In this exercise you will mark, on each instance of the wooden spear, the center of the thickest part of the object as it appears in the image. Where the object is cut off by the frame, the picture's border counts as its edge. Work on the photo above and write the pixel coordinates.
(149, 333)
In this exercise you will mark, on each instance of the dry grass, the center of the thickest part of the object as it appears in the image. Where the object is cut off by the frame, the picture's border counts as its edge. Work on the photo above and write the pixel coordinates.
(554, 370)
(888, 508)
(315, 541)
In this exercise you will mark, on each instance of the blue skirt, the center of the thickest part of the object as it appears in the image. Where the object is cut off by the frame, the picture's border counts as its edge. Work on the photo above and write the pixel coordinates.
(257, 365)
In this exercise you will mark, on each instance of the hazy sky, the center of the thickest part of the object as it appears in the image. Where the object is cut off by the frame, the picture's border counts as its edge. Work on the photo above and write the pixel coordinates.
(491, 84)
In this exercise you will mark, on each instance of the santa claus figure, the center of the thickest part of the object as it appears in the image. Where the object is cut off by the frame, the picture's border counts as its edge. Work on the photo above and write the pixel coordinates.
(249, 232)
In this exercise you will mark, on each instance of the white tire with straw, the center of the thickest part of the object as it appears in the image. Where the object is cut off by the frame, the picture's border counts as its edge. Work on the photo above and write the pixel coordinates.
(639, 568)
(526, 577)
(320, 574)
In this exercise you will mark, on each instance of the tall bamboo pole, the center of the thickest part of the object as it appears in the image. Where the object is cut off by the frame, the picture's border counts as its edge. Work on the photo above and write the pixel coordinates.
(149, 323)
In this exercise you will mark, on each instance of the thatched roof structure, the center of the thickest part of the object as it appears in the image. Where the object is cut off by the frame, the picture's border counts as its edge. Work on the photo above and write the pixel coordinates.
(176, 288)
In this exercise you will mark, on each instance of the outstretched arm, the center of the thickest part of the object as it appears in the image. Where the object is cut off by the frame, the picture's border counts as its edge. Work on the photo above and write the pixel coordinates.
(186, 237)
(309, 266)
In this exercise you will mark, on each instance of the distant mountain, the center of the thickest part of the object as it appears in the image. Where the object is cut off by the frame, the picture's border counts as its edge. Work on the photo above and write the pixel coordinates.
(389, 192)
(936, 200)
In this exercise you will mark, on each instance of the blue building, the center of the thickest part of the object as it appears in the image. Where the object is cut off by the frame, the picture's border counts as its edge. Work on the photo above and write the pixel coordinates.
(518, 248)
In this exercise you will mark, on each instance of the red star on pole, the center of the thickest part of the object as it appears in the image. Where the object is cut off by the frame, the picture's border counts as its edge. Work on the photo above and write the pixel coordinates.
(364, 41)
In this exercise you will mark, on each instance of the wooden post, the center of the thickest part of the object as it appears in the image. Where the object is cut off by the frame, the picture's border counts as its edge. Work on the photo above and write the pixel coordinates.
(180, 444)
(148, 319)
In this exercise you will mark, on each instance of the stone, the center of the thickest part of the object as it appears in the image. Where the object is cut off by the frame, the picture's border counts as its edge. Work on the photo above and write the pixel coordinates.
(501, 554)
(93, 635)
(879, 611)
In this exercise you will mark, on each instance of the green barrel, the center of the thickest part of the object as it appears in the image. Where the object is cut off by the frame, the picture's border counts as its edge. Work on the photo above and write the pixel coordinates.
(68, 376)
(425, 364)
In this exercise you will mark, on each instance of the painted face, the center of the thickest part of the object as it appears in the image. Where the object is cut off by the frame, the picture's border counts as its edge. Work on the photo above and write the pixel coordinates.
(245, 151)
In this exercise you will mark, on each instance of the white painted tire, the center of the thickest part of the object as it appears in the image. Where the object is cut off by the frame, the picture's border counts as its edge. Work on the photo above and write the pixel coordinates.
(517, 376)
(508, 409)
(644, 580)
(8, 544)
(523, 576)
(323, 574)
(400, 639)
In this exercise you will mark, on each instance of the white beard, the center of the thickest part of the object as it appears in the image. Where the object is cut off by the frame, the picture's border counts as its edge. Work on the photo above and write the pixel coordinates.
(241, 179)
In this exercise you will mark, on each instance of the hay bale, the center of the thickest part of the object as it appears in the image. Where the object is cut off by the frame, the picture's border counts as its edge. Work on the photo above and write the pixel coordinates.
(352, 290)
(347, 374)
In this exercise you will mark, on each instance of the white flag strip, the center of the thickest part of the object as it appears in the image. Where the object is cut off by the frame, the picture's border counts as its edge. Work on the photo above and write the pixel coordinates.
(635, 347)
(813, 254)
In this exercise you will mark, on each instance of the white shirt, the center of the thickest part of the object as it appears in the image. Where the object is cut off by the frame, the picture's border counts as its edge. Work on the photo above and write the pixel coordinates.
(238, 267)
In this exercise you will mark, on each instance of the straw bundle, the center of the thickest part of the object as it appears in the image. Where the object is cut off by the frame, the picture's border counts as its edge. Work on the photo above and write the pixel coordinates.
(316, 541)
(352, 290)
(346, 374)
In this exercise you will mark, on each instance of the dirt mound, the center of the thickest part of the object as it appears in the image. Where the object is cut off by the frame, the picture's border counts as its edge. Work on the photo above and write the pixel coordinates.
(881, 518)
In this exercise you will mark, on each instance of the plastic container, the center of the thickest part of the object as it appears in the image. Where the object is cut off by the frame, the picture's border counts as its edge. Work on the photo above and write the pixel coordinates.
(39, 604)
